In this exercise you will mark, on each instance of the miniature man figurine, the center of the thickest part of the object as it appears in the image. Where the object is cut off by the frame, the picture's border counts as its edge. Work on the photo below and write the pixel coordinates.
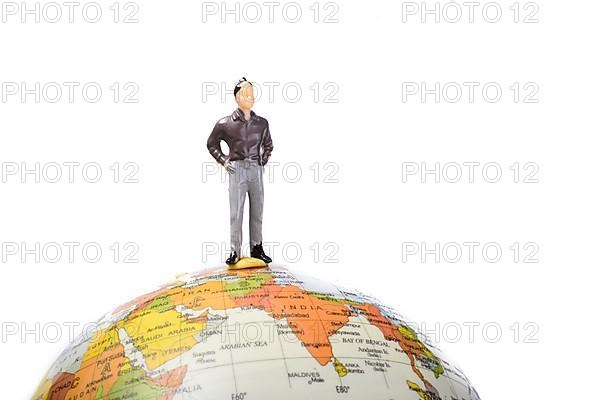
(250, 147)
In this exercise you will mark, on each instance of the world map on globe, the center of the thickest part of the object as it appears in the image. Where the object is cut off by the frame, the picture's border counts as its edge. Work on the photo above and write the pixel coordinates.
(264, 333)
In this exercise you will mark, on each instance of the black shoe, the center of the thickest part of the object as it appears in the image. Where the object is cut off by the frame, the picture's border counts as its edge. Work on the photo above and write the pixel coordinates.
(233, 258)
(258, 252)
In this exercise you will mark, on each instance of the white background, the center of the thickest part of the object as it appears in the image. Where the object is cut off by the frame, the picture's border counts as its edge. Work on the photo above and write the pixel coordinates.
(175, 212)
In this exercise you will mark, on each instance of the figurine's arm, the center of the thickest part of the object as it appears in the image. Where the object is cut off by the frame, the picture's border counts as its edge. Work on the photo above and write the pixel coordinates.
(214, 144)
(267, 144)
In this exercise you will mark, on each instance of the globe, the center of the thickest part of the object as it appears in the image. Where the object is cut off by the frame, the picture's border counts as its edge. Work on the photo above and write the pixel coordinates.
(263, 333)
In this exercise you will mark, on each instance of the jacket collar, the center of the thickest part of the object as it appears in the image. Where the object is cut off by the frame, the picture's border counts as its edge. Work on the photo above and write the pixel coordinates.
(239, 114)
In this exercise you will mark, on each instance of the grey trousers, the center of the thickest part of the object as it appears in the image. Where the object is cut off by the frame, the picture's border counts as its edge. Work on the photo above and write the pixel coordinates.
(247, 179)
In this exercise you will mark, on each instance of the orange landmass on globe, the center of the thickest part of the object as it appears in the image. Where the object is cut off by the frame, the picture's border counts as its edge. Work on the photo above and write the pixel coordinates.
(311, 318)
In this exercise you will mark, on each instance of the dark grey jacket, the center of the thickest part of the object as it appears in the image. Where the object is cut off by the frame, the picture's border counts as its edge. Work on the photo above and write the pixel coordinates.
(246, 139)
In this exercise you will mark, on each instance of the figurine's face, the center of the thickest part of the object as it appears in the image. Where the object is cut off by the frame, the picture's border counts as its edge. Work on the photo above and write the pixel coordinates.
(245, 97)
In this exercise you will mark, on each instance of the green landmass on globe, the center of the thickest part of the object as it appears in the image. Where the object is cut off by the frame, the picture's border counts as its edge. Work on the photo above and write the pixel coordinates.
(261, 333)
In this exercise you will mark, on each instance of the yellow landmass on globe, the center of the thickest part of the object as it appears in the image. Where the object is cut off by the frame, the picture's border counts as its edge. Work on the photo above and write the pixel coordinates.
(414, 387)
(340, 368)
(100, 342)
(162, 336)
(411, 336)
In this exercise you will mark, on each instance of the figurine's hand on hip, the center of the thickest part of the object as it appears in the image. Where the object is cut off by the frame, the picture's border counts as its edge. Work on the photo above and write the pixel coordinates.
(229, 167)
